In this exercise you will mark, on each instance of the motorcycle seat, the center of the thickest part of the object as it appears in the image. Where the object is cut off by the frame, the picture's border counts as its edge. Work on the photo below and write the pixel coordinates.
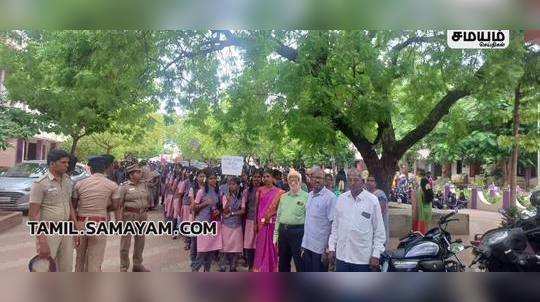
(397, 254)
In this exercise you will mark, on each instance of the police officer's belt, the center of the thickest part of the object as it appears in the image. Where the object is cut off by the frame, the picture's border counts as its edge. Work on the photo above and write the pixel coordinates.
(134, 210)
(91, 218)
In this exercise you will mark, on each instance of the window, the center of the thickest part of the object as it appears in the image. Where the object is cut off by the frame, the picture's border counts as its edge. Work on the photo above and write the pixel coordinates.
(32, 151)
(437, 170)
(459, 167)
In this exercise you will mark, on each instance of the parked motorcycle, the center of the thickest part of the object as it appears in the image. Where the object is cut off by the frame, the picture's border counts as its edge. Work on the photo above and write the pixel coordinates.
(402, 192)
(453, 202)
(433, 252)
(514, 247)
(438, 200)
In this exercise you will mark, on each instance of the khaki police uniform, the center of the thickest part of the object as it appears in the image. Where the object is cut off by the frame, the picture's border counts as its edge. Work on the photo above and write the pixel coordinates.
(54, 197)
(134, 200)
(93, 194)
(150, 177)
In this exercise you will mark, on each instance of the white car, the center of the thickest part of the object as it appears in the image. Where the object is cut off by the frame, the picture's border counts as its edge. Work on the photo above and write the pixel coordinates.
(16, 182)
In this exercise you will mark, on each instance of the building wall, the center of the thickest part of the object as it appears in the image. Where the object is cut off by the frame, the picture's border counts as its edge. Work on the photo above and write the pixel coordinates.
(8, 156)
(13, 155)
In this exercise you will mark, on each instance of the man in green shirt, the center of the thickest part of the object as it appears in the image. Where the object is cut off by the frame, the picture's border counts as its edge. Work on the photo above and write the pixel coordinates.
(289, 228)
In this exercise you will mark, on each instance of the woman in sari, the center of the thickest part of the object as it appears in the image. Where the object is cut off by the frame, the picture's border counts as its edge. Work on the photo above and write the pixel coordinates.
(422, 199)
(265, 250)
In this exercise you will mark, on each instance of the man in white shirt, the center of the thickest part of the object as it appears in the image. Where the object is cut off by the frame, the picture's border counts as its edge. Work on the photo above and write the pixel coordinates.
(358, 235)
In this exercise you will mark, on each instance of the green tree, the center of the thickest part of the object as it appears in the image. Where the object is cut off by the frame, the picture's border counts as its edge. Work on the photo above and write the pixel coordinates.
(383, 90)
(81, 82)
(14, 122)
(483, 129)
(146, 139)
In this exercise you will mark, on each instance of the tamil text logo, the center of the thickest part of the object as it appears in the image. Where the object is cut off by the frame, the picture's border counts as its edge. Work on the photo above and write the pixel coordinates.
(477, 39)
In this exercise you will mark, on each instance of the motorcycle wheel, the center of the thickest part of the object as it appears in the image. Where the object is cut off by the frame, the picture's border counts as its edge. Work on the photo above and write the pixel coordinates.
(453, 266)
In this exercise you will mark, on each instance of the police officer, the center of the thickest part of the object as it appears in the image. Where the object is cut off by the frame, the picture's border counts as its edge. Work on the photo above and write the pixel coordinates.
(134, 200)
(92, 198)
(151, 178)
(109, 161)
(50, 200)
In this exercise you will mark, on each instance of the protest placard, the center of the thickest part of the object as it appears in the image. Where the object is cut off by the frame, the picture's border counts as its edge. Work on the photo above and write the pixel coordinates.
(232, 165)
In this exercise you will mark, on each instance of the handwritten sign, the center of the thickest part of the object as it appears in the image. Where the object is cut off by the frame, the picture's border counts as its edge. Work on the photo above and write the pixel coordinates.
(232, 165)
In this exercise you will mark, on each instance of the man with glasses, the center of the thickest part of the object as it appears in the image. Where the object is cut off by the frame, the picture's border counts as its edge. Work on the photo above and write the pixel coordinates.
(318, 224)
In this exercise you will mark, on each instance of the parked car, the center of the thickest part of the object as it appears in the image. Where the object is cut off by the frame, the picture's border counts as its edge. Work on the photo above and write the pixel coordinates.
(16, 182)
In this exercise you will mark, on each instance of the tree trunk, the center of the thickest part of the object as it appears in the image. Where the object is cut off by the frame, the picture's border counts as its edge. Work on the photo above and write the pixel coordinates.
(447, 170)
(515, 153)
(504, 167)
(527, 178)
(382, 169)
(384, 172)
(74, 144)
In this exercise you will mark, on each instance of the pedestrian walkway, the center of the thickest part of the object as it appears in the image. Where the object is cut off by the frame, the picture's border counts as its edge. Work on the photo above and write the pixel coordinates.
(162, 254)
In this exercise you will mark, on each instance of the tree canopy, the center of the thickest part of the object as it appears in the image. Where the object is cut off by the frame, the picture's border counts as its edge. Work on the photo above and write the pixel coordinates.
(282, 96)
(83, 82)
(382, 90)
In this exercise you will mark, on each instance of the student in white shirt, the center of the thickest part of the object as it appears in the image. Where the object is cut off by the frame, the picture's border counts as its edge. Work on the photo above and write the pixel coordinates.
(358, 235)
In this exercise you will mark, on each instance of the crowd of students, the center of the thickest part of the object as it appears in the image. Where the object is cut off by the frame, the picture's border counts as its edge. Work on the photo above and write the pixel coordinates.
(266, 219)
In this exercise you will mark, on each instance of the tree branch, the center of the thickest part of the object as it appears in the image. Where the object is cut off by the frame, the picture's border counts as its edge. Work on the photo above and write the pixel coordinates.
(283, 50)
(399, 47)
(287, 52)
(216, 45)
(231, 39)
(380, 129)
(360, 142)
(431, 120)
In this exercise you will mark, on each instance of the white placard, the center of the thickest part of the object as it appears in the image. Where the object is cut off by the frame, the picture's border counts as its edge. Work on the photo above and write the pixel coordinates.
(477, 39)
(232, 165)
(199, 165)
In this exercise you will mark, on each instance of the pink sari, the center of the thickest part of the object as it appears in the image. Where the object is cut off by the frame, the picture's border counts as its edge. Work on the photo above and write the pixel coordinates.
(266, 259)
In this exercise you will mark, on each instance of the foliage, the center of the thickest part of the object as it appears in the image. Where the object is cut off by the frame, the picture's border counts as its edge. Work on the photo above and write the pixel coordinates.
(15, 123)
(479, 130)
(81, 82)
(146, 142)
(382, 90)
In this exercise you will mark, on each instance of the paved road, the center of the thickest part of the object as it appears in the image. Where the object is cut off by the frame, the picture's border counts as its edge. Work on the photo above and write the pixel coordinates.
(161, 253)
(164, 254)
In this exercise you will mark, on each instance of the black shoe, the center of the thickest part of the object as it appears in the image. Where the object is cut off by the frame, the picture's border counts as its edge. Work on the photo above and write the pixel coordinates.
(140, 269)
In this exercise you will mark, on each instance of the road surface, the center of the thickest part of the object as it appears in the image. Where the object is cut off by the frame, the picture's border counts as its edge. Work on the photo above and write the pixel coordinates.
(164, 254)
